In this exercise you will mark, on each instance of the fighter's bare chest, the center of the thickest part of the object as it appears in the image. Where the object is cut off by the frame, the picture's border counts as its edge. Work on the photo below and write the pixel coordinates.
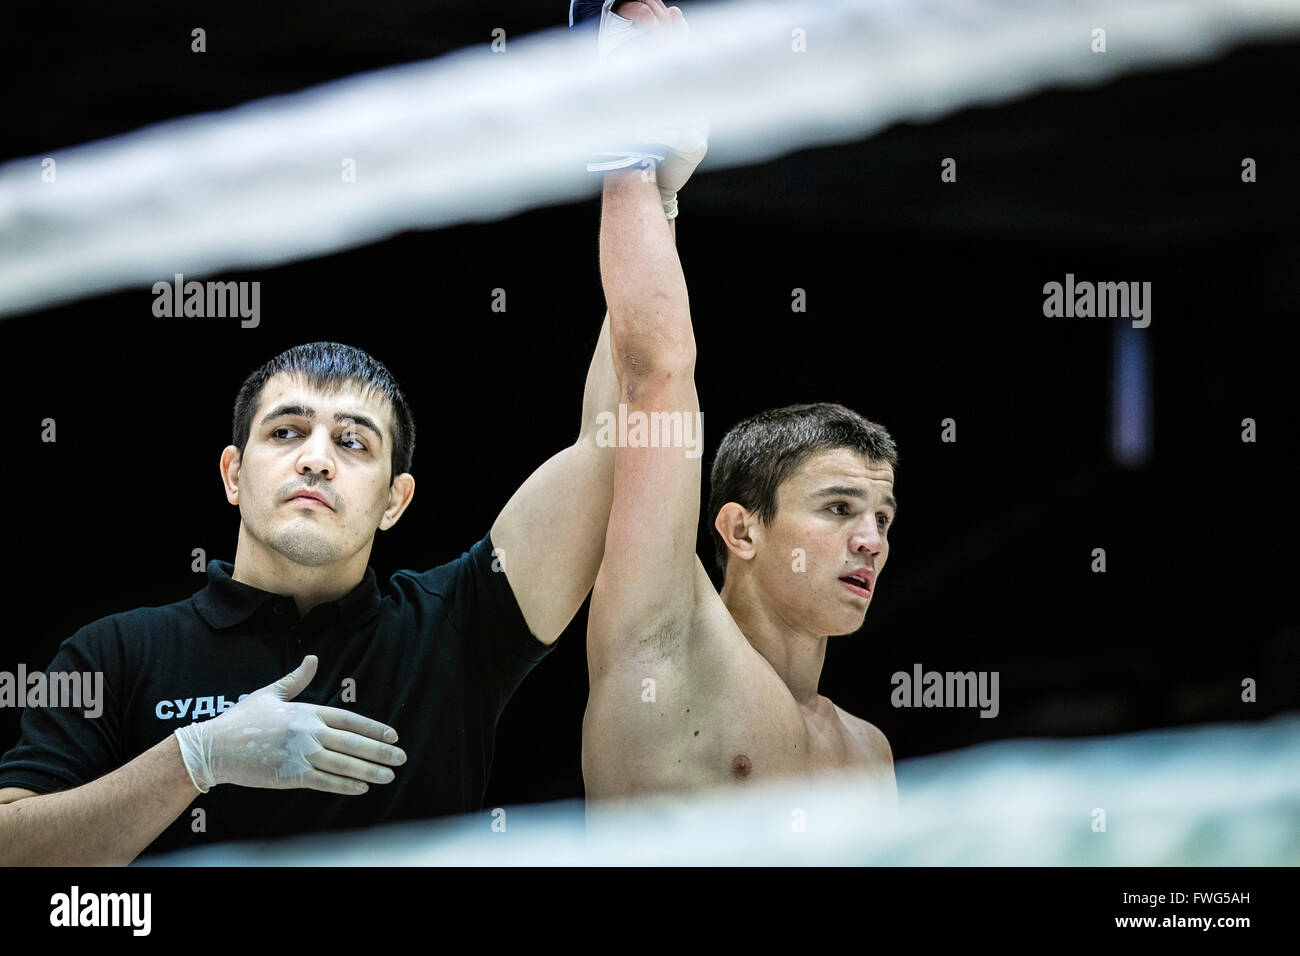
(738, 747)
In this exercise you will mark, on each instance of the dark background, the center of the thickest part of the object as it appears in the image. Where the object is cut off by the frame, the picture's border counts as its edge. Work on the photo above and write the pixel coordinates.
(924, 302)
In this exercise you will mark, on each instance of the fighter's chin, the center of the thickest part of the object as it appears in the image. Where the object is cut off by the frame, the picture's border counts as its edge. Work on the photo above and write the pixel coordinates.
(846, 627)
(843, 621)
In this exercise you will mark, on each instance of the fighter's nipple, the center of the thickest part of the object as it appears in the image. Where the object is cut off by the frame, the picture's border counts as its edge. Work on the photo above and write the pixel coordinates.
(741, 767)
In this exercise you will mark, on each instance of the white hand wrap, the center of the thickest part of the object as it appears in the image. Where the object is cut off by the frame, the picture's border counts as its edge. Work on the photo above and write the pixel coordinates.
(668, 153)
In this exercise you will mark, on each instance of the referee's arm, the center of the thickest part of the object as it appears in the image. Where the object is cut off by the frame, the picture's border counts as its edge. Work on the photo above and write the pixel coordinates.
(106, 822)
(551, 533)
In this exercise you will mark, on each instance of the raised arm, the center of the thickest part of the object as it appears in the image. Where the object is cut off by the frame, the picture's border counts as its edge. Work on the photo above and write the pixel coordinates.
(551, 534)
(643, 596)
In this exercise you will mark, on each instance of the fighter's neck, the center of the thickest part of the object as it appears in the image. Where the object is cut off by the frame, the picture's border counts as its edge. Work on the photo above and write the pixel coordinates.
(796, 655)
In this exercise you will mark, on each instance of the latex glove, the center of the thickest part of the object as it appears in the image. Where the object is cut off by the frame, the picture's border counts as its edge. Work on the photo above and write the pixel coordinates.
(268, 741)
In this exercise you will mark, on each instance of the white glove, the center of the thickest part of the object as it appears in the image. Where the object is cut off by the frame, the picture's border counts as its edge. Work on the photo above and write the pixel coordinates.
(668, 153)
(266, 741)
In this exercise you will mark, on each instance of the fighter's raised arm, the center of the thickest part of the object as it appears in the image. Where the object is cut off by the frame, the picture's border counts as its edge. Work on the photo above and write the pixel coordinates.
(551, 534)
(644, 592)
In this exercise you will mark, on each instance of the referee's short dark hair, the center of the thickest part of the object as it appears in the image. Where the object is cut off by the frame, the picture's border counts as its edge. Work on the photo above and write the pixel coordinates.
(328, 366)
(761, 452)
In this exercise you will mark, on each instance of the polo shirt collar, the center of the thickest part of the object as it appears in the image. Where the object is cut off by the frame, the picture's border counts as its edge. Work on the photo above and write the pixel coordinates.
(225, 602)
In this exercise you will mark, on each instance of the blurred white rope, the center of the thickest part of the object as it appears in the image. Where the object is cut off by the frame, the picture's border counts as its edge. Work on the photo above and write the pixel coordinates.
(479, 135)
(1214, 795)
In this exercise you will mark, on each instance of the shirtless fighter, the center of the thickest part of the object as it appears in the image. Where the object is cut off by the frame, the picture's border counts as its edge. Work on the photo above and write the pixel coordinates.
(691, 688)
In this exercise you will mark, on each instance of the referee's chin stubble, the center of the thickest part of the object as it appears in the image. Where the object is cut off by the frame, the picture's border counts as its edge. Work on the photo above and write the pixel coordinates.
(303, 542)
(312, 538)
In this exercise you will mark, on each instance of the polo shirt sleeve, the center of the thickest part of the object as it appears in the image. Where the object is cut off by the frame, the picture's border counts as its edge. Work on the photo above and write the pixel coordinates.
(480, 604)
(59, 747)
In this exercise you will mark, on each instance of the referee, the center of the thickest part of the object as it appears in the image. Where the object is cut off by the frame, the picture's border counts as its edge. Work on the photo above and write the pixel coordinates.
(293, 674)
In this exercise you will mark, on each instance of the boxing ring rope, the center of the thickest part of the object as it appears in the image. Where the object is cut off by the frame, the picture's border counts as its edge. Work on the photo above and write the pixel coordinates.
(1215, 795)
(480, 135)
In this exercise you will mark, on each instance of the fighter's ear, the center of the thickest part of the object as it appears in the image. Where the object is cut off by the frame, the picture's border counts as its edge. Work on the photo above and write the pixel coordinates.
(737, 527)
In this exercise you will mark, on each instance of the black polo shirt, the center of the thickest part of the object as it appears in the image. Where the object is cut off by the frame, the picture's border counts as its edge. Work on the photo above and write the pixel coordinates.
(436, 655)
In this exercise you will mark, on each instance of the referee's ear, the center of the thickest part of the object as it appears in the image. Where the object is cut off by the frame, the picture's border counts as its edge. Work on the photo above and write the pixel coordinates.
(230, 462)
(399, 497)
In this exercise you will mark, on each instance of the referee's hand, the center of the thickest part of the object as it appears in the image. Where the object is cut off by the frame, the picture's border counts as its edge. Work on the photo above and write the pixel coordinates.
(268, 741)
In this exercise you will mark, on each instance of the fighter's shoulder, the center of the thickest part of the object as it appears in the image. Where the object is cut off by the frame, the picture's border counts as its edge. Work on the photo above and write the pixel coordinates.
(868, 736)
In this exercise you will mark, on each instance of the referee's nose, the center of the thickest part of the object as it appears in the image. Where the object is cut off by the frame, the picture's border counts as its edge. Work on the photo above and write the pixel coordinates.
(317, 454)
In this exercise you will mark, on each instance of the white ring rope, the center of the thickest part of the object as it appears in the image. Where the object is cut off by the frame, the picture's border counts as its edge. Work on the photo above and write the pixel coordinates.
(479, 135)
(1215, 795)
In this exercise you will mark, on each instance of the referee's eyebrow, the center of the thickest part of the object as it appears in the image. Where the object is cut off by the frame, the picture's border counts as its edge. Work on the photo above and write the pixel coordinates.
(302, 411)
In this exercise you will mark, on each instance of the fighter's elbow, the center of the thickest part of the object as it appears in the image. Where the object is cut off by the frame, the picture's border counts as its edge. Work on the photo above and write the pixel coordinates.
(652, 362)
